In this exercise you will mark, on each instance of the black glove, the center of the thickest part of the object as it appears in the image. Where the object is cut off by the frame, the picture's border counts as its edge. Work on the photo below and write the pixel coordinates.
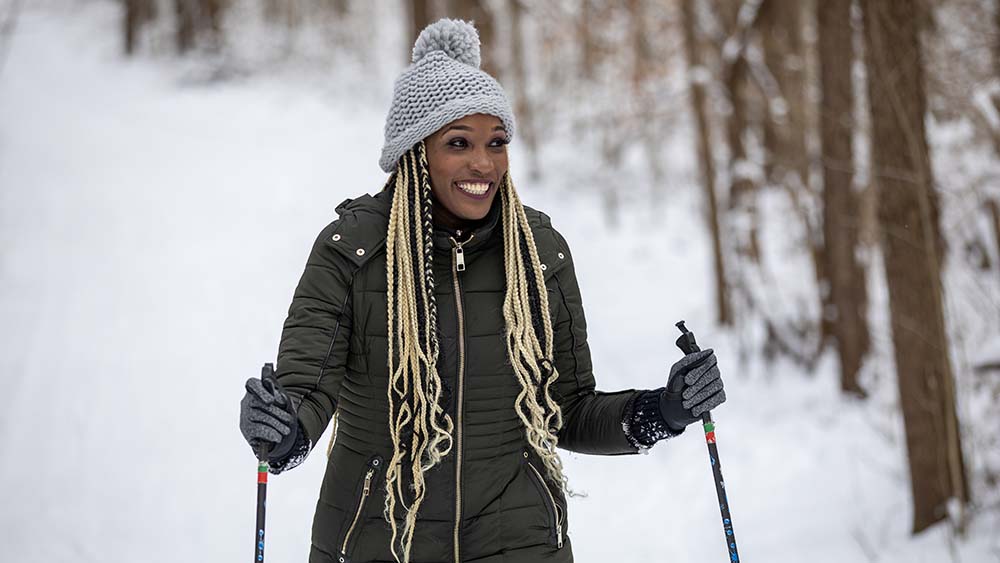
(268, 420)
(694, 387)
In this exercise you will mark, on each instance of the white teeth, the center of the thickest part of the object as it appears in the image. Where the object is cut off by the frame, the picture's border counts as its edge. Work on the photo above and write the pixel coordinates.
(474, 188)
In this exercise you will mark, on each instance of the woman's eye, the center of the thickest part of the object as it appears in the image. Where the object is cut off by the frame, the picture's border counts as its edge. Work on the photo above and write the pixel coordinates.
(458, 142)
(499, 142)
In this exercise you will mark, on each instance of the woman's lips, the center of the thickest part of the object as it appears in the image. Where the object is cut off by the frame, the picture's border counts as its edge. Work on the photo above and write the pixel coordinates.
(475, 189)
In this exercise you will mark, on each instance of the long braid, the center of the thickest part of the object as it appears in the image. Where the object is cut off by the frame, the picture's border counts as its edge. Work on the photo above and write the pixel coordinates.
(425, 187)
(414, 384)
(420, 428)
(440, 421)
(529, 334)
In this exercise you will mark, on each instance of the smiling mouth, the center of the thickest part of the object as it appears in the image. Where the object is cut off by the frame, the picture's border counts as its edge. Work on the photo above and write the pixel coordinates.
(476, 189)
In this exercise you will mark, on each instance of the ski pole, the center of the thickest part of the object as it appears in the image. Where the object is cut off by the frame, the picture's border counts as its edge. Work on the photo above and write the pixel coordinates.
(267, 376)
(688, 345)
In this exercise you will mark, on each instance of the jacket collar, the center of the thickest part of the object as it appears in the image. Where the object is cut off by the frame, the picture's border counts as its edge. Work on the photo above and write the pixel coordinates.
(480, 235)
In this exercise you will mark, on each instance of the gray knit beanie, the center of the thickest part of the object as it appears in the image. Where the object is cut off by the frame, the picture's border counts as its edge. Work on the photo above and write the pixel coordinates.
(442, 84)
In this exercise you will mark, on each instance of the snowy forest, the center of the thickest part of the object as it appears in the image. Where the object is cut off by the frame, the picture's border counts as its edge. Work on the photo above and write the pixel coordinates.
(812, 185)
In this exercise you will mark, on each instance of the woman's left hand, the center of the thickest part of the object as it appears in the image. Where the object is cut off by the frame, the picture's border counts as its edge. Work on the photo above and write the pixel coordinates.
(694, 387)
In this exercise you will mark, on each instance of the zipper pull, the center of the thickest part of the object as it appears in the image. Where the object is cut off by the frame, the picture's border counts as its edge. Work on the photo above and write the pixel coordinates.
(368, 482)
(559, 539)
(459, 259)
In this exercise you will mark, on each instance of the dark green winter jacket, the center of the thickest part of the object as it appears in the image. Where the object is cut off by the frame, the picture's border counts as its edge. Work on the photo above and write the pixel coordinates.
(333, 358)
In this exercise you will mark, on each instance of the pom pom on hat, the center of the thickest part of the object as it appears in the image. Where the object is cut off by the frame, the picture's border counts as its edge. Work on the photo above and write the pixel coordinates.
(456, 38)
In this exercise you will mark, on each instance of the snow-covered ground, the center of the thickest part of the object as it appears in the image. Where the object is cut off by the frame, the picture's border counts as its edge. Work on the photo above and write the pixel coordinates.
(152, 230)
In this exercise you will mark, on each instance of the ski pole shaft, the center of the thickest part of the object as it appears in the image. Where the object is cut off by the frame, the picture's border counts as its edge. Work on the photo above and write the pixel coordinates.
(258, 553)
(687, 344)
(267, 372)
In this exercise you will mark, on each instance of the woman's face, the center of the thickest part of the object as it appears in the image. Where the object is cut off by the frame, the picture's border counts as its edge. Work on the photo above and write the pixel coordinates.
(467, 158)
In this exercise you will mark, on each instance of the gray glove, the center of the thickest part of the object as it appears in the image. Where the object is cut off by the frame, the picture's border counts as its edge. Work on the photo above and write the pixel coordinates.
(267, 419)
(694, 387)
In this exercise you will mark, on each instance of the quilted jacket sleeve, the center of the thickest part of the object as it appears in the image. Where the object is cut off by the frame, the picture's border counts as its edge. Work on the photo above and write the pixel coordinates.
(315, 339)
(592, 420)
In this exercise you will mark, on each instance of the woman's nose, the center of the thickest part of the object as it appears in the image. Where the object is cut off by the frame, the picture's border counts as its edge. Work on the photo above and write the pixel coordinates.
(481, 162)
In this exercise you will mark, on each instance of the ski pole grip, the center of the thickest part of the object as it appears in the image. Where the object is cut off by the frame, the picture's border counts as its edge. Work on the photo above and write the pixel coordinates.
(267, 377)
(686, 341)
(688, 345)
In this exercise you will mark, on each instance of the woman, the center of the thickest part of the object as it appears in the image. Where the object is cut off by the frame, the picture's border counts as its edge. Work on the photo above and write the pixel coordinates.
(441, 324)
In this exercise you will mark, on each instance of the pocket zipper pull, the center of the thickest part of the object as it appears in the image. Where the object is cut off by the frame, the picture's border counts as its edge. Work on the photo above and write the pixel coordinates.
(368, 482)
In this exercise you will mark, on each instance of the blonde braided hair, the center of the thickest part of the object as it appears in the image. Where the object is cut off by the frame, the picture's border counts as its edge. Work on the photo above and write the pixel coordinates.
(529, 334)
(415, 385)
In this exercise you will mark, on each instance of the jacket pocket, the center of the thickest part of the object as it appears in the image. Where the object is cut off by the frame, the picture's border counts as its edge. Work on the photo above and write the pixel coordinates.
(372, 471)
(555, 511)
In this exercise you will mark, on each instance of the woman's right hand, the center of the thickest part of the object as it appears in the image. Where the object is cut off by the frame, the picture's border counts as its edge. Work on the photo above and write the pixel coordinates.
(267, 419)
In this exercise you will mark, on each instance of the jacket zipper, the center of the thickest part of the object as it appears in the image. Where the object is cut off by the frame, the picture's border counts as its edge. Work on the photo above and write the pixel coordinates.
(373, 466)
(458, 265)
(554, 511)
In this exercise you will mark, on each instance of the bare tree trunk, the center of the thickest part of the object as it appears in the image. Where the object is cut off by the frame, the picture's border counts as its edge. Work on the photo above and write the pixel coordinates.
(420, 17)
(587, 43)
(996, 68)
(848, 294)
(196, 18)
(786, 162)
(477, 12)
(742, 188)
(211, 12)
(643, 63)
(743, 259)
(784, 54)
(994, 210)
(996, 37)
(523, 107)
(137, 14)
(734, 81)
(184, 25)
(644, 68)
(184, 11)
(912, 258)
(698, 97)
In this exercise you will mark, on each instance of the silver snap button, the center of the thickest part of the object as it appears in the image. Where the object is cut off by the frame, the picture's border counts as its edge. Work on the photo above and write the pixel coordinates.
(544, 267)
(336, 236)
(561, 256)
(360, 252)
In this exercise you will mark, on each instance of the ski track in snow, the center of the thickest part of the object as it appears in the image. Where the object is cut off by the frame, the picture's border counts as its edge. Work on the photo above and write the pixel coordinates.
(151, 234)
